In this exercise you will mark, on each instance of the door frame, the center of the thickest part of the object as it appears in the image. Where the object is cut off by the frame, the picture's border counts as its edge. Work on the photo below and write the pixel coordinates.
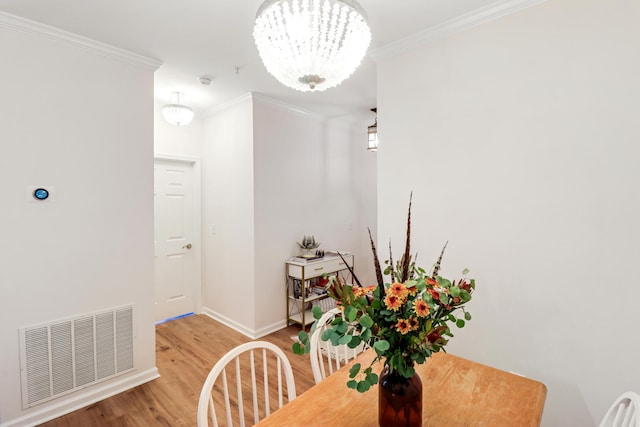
(195, 163)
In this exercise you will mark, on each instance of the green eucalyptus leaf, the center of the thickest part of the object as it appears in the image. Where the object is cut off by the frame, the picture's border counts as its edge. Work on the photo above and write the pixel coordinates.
(353, 384)
(372, 378)
(354, 370)
(317, 312)
(381, 346)
(467, 316)
(460, 323)
(347, 311)
(465, 271)
(366, 321)
(455, 291)
(355, 341)
(341, 327)
(297, 348)
(363, 386)
(445, 283)
(345, 340)
(334, 337)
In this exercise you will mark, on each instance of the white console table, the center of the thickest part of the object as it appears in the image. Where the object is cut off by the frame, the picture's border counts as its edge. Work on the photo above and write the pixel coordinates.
(303, 273)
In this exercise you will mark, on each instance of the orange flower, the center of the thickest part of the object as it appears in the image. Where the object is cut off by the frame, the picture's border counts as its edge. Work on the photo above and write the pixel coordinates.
(403, 326)
(431, 281)
(399, 290)
(392, 302)
(413, 323)
(421, 307)
(360, 292)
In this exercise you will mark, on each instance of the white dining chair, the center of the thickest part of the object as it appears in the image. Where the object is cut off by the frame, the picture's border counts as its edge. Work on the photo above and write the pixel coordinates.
(326, 357)
(271, 365)
(624, 412)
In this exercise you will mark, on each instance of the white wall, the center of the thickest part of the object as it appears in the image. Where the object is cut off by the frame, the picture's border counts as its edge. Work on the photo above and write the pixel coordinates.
(520, 141)
(228, 207)
(307, 181)
(273, 174)
(85, 126)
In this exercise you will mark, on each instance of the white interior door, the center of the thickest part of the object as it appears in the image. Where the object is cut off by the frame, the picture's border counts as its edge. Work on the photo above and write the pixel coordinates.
(175, 276)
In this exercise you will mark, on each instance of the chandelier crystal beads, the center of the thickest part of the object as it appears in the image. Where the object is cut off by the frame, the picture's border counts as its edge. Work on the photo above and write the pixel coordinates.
(176, 112)
(311, 45)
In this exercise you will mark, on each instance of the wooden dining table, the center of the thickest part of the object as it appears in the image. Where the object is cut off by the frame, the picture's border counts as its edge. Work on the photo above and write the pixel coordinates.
(455, 392)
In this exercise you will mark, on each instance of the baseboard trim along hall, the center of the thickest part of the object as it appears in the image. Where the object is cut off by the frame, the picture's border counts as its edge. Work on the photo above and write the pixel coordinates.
(251, 333)
(86, 398)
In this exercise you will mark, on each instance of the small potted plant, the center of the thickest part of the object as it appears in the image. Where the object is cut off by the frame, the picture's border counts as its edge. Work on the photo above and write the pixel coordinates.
(308, 245)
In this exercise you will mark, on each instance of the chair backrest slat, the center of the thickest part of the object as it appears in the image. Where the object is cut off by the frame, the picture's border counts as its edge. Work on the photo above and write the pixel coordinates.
(227, 405)
(267, 407)
(239, 392)
(254, 388)
(279, 385)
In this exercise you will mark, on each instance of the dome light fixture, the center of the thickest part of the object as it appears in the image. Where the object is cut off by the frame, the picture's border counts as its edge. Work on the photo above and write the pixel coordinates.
(311, 45)
(175, 112)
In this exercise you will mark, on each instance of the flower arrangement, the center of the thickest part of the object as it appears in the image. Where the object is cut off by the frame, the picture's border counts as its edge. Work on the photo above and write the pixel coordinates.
(404, 321)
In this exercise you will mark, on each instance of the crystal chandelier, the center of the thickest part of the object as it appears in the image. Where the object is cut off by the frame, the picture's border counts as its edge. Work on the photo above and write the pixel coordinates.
(311, 45)
(177, 113)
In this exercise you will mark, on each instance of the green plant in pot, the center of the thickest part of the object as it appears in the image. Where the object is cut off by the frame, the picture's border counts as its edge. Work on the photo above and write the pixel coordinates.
(308, 245)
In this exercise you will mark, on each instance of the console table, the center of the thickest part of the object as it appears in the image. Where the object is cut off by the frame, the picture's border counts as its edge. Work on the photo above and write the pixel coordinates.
(300, 275)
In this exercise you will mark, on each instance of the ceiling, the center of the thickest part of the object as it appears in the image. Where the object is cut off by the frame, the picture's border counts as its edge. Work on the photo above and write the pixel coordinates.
(214, 38)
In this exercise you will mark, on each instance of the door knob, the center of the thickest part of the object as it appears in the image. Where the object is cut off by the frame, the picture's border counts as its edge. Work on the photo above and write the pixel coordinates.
(188, 246)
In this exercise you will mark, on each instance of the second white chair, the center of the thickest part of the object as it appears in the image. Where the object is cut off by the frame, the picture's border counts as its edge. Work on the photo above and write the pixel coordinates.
(326, 357)
(268, 356)
(624, 412)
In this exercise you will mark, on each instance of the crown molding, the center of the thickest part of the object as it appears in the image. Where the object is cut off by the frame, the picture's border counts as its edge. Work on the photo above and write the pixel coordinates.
(264, 99)
(462, 23)
(17, 23)
(281, 105)
(226, 105)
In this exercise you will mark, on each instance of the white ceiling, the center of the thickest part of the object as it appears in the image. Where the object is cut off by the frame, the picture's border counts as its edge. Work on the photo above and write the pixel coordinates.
(214, 38)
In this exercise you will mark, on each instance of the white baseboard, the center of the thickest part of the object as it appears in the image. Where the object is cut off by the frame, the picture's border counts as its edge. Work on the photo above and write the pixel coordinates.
(81, 399)
(251, 333)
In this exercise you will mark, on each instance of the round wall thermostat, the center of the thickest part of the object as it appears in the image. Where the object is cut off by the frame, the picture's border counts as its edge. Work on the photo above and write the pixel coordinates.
(40, 194)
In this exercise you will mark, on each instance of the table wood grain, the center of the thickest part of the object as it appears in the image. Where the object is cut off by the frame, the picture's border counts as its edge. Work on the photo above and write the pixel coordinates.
(455, 392)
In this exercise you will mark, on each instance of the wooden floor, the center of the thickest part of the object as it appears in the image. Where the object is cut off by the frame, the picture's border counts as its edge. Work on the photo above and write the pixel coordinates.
(186, 349)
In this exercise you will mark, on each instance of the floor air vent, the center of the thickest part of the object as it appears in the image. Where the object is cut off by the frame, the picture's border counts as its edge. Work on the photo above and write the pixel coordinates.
(64, 356)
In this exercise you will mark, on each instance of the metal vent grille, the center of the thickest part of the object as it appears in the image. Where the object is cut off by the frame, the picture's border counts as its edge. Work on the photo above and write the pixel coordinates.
(62, 356)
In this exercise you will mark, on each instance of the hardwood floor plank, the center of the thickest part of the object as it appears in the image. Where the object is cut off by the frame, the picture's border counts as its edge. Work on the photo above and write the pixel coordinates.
(186, 350)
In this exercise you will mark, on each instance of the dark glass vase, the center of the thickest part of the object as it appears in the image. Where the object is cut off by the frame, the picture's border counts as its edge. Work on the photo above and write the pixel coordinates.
(399, 400)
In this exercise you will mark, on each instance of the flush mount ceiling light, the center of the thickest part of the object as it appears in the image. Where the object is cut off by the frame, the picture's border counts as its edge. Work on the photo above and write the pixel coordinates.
(311, 45)
(175, 112)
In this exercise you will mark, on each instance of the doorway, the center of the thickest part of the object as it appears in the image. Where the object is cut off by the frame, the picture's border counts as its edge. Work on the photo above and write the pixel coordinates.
(177, 280)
